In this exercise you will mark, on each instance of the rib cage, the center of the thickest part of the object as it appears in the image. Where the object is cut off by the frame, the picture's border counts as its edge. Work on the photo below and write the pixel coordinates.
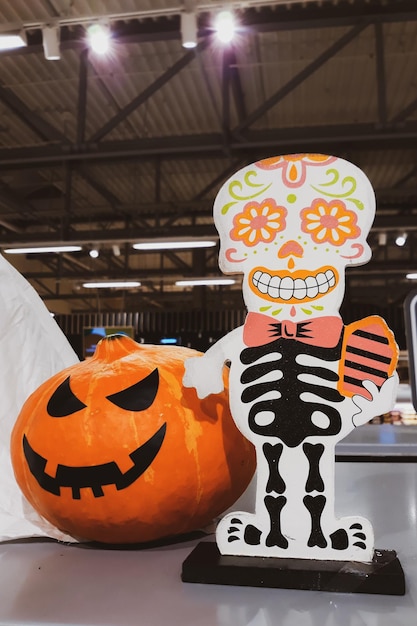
(291, 417)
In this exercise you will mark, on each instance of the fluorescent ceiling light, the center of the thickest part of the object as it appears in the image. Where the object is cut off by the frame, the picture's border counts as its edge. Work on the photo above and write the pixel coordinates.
(41, 249)
(173, 245)
(412, 276)
(204, 281)
(10, 41)
(112, 284)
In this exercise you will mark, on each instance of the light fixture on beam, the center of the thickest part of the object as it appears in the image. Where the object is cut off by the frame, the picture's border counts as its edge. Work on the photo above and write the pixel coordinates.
(43, 249)
(13, 40)
(94, 252)
(189, 29)
(197, 282)
(51, 42)
(99, 38)
(412, 276)
(382, 239)
(112, 284)
(401, 240)
(225, 26)
(173, 245)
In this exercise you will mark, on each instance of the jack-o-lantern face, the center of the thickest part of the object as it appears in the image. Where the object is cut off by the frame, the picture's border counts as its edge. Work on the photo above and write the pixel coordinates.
(114, 449)
(63, 402)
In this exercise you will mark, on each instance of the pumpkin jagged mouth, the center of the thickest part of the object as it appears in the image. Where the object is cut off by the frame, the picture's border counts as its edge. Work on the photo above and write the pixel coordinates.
(94, 476)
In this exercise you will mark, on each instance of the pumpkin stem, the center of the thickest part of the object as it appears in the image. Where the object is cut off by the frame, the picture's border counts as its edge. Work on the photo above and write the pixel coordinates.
(114, 347)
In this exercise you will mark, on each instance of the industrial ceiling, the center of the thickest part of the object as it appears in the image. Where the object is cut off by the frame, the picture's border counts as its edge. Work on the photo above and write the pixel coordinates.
(106, 151)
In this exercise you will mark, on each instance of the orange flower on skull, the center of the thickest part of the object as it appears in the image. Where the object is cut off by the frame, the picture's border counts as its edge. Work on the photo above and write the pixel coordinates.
(294, 166)
(329, 222)
(258, 222)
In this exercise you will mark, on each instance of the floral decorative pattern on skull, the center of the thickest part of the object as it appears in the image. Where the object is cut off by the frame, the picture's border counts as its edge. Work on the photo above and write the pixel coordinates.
(258, 222)
(294, 166)
(329, 221)
(291, 224)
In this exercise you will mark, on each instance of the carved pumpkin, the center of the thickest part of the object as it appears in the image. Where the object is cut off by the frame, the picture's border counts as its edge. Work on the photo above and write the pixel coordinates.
(114, 449)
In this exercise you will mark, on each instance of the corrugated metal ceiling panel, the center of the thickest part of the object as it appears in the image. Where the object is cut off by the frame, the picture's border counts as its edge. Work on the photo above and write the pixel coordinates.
(342, 91)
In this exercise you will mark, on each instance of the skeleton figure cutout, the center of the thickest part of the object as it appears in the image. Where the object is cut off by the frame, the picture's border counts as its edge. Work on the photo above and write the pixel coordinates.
(300, 380)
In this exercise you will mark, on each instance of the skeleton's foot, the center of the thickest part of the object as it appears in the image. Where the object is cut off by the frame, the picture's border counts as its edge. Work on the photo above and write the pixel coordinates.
(246, 534)
(243, 534)
(353, 540)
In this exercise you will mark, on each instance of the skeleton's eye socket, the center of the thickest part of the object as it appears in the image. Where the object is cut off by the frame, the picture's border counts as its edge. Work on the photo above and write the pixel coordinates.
(63, 402)
(139, 396)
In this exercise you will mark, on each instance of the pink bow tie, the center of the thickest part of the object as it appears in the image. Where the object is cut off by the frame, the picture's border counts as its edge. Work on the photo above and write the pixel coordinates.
(260, 329)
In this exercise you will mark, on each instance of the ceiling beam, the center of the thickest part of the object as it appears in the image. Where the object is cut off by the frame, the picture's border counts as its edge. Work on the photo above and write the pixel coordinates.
(378, 269)
(117, 235)
(112, 235)
(381, 74)
(302, 15)
(299, 78)
(82, 96)
(148, 92)
(341, 137)
(38, 125)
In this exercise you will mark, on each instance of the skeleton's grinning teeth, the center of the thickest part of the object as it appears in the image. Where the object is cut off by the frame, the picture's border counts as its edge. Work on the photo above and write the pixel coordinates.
(287, 287)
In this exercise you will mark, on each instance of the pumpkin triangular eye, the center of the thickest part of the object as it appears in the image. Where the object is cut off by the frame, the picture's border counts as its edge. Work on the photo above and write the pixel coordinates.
(139, 396)
(63, 402)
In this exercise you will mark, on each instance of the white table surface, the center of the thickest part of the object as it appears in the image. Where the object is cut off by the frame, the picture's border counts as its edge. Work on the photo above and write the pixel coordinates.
(47, 583)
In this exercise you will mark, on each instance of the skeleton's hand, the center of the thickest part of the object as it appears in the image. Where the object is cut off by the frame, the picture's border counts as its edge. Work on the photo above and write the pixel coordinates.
(383, 399)
(204, 374)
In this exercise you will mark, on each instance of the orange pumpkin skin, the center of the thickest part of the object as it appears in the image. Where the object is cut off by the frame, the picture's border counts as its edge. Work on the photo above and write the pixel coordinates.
(199, 463)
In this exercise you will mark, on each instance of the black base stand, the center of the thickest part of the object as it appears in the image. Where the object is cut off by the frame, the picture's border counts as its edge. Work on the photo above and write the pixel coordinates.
(384, 575)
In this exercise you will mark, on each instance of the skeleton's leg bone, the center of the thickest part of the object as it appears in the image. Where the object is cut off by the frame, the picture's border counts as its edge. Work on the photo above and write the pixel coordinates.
(314, 453)
(274, 507)
(272, 454)
(315, 506)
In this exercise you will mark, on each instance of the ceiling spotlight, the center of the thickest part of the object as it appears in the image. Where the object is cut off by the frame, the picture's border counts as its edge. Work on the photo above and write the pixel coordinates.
(116, 249)
(189, 30)
(10, 41)
(99, 38)
(401, 239)
(42, 249)
(173, 245)
(51, 42)
(112, 284)
(225, 26)
(94, 253)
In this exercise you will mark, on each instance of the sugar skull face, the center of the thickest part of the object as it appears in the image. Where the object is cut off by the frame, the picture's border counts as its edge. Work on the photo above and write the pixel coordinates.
(291, 224)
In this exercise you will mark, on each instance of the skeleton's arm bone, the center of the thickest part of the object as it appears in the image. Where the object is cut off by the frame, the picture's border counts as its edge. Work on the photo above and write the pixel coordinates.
(205, 373)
